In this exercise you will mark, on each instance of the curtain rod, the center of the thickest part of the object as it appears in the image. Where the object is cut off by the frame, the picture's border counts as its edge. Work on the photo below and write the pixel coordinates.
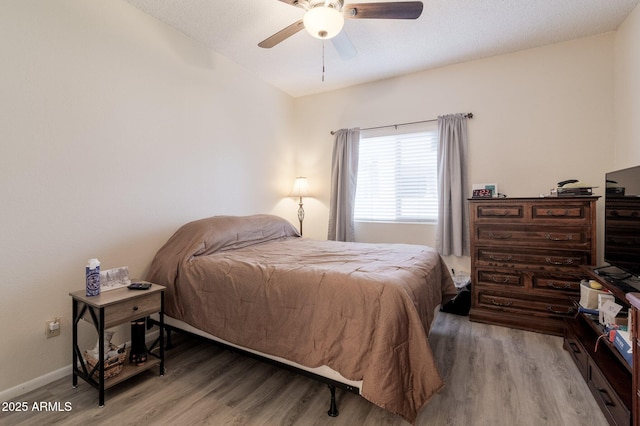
(467, 115)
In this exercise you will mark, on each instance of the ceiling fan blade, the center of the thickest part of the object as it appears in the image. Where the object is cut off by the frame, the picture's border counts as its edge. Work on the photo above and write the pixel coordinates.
(389, 10)
(343, 45)
(282, 35)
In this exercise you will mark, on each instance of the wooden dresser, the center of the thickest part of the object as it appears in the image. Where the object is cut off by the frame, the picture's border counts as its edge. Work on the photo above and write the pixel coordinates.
(634, 300)
(526, 255)
(601, 365)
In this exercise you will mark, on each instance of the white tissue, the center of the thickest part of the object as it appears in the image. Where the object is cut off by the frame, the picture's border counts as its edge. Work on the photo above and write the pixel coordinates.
(111, 354)
(93, 263)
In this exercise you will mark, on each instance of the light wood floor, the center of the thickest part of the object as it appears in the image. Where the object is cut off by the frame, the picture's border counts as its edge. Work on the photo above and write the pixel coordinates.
(494, 375)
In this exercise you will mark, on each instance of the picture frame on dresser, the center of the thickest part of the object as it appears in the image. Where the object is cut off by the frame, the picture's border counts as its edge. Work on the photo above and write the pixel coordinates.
(110, 279)
(484, 190)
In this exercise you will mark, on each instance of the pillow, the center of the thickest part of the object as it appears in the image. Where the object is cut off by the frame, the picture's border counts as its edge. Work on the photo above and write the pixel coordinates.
(219, 233)
(233, 232)
(210, 235)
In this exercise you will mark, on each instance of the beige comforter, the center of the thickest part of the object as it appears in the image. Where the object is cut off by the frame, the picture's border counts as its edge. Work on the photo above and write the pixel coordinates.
(362, 309)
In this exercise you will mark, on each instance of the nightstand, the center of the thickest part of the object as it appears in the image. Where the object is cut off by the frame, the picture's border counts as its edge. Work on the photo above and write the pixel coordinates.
(108, 309)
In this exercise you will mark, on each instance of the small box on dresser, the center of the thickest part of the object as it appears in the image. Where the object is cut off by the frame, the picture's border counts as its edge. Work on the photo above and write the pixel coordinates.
(526, 255)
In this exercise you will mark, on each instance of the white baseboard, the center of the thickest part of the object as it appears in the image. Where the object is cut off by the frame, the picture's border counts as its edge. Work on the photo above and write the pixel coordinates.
(45, 379)
(9, 394)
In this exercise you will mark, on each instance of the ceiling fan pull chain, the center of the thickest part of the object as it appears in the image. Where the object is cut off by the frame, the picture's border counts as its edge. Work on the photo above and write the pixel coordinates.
(323, 61)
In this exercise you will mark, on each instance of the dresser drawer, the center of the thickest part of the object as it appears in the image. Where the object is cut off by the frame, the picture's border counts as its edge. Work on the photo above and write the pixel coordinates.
(501, 278)
(537, 281)
(574, 237)
(574, 346)
(132, 309)
(562, 212)
(494, 300)
(499, 212)
(557, 283)
(541, 260)
(608, 400)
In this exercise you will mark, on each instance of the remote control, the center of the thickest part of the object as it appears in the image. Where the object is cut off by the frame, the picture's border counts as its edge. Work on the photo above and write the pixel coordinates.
(139, 286)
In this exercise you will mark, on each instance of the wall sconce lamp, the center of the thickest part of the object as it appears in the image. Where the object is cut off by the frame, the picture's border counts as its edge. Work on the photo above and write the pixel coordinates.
(300, 189)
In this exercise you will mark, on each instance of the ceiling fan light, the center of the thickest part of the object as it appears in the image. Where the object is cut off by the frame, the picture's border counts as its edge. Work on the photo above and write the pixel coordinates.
(323, 22)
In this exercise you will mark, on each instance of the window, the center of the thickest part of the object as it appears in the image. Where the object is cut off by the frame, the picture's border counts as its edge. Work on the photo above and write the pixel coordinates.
(397, 177)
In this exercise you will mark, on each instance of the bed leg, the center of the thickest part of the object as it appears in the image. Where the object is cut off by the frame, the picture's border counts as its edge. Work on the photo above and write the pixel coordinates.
(333, 409)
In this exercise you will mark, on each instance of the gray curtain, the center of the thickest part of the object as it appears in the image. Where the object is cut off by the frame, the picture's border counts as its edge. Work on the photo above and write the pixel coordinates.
(344, 176)
(452, 232)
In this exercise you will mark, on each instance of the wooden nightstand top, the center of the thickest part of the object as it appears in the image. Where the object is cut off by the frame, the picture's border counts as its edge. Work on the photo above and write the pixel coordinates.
(114, 296)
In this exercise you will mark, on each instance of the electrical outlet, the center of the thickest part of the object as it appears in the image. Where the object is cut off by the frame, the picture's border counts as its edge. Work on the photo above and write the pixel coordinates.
(52, 328)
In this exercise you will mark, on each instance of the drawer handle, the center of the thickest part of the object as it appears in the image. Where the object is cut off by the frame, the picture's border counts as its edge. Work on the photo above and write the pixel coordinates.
(605, 397)
(566, 262)
(499, 236)
(502, 281)
(574, 347)
(560, 287)
(135, 308)
(495, 213)
(554, 213)
(500, 259)
(553, 311)
(493, 301)
(568, 237)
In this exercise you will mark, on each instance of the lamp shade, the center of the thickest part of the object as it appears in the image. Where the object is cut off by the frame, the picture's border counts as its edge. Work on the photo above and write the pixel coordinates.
(300, 188)
(323, 22)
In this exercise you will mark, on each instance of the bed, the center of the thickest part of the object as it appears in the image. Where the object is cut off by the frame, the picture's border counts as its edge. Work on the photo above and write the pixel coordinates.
(352, 312)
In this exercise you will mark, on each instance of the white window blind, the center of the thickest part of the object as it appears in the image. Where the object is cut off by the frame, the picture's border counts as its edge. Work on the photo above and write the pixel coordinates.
(397, 178)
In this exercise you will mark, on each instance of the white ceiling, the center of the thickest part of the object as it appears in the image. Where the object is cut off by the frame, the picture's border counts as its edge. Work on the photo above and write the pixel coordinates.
(449, 31)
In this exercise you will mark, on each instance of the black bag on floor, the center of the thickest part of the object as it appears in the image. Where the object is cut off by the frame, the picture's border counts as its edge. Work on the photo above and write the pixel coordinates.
(459, 305)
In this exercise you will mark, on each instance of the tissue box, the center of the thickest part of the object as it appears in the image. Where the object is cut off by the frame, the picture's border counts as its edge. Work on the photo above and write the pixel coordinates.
(622, 342)
(589, 296)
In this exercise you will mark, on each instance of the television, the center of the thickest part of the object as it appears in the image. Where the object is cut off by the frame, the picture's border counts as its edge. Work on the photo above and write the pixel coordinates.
(622, 221)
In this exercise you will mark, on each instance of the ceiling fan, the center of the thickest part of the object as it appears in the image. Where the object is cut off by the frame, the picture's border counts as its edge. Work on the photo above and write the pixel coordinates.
(324, 19)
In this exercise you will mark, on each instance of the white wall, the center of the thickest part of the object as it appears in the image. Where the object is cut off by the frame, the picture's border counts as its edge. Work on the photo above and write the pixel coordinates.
(541, 116)
(114, 131)
(627, 92)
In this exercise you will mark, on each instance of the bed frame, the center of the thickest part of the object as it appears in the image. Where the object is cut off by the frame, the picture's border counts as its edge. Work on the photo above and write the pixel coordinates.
(331, 383)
